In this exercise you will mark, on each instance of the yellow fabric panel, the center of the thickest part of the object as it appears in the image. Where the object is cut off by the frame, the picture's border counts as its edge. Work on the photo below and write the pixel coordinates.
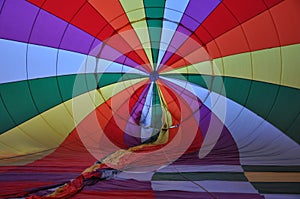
(133, 9)
(136, 15)
(49, 130)
(238, 66)
(273, 176)
(41, 132)
(267, 65)
(204, 68)
(82, 106)
(61, 113)
(19, 142)
(9, 151)
(291, 65)
(116, 88)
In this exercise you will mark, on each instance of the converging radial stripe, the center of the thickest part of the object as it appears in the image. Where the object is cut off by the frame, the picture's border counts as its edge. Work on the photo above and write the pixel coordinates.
(136, 15)
(255, 28)
(86, 14)
(119, 21)
(190, 21)
(172, 15)
(154, 10)
(284, 67)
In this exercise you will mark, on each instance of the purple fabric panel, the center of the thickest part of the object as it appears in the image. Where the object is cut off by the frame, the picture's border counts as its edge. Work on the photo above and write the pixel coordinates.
(199, 195)
(37, 176)
(76, 40)
(16, 21)
(109, 53)
(205, 117)
(195, 13)
(110, 185)
(224, 152)
(132, 134)
(133, 138)
(177, 40)
(48, 30)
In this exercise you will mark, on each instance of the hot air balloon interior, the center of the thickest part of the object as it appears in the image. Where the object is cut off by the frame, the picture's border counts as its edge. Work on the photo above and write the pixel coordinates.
(150, 99)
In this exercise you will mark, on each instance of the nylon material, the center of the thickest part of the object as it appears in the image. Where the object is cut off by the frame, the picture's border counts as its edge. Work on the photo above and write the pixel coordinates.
(240, 66)
(265, 61)
(12, 69)
(146, 129)
(41, 61)
(197, 168)
(173, 12)
(255, 124)
(70, 63)
(11, 24)
(48, 136)
(135, 12)
(211, 186)
(279, 196)
(191, 20)
(106, 66)
(259, 60)
(290, 63)
(223, 108)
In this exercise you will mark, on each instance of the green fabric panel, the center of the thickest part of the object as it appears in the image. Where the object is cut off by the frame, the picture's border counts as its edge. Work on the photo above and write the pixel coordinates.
(277, 187)
(5, 119)
(286, 109)
(111, 78)
(270, 168)
(19, 103)
(237, 89)
(45, 93)
(74, 85)
(198, 176)
(154, 10)
(156, 109)
(261, 98)
(201, 80)
(107, 79)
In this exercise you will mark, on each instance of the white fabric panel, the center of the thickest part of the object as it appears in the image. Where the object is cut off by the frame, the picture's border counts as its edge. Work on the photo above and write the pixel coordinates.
(13, 61)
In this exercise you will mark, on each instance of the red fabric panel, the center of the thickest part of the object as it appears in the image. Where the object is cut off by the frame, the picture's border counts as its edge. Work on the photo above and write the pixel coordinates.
(231, 42)
(17, 188)
(70, 156)
(114, 195)
(38, 3)
(246, 9)
(261, 32)
(87, 18)
(65, 9)
(286, 16)
(271, 3)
